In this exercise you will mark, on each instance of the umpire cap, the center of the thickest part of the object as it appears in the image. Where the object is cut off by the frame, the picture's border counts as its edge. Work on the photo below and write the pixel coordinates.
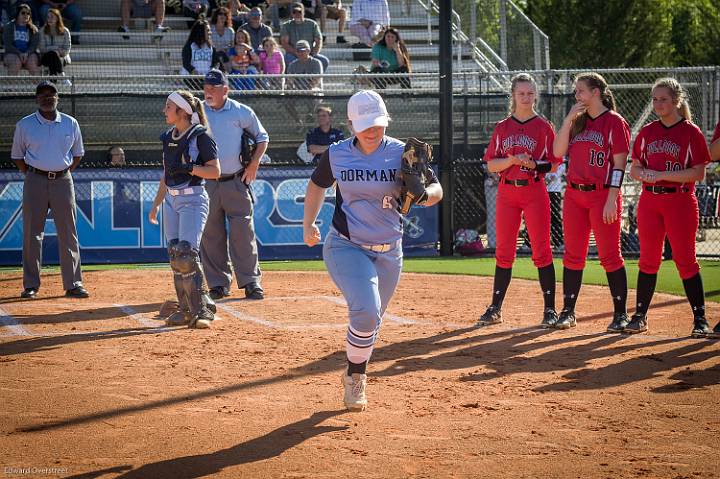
(215, 78)
(45, 85)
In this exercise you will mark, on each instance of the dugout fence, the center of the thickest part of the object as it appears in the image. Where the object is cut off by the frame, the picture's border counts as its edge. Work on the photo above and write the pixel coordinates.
(126, 113)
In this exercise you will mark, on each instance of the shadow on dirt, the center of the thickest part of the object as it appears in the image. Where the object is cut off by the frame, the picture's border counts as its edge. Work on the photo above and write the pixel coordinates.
(261, 448)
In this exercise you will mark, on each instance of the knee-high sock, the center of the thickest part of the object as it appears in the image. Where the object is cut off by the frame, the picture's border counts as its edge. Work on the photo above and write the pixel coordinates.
(546, 274)
(572, 280)
(500, 285)
(695, 294)
(617, 280)
(645, 290)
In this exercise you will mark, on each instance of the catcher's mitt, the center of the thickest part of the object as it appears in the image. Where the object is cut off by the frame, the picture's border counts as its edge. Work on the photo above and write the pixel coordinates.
(413, 173)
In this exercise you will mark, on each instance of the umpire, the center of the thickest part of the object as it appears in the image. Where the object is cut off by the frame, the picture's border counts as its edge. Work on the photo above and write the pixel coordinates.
(230, 196)
(47, 146)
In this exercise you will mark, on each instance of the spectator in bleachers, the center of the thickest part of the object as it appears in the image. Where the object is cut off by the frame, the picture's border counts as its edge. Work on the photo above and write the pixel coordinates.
(242, 62)
(278, 10)
(369, 19)
(198, 55)
(319, 139)
(21, 38)
(68, 9)
(272, 62)
(142, 9)
(301, 28)
(238, 12)
(390, 55)
(333, 10)
(196, 9)
(222, 32)
(55, 44)
(305, 64)
(257, 30)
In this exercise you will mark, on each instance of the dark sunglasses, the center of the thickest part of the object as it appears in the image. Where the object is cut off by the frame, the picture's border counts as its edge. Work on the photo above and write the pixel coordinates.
(25, 12)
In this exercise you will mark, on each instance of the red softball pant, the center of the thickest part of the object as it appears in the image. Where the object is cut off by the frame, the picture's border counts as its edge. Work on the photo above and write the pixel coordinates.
(533, 203)
(583, 212)
(674, 215)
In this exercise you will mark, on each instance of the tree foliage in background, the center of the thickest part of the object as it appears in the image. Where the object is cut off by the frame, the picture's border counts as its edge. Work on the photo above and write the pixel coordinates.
(629, 33)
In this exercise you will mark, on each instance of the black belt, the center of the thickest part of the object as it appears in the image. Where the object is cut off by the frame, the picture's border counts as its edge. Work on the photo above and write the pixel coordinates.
(660, 190)
(585, 186)
(51, 175)
(231, 177)
(520, 182)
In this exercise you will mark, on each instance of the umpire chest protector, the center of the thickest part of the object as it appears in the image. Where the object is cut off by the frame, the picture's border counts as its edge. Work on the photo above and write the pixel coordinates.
(182, 150)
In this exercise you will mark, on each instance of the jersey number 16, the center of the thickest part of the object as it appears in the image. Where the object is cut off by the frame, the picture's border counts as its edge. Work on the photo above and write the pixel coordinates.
(597, 158)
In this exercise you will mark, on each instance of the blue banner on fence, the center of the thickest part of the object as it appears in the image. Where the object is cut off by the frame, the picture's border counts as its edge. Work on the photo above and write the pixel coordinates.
(113, 205)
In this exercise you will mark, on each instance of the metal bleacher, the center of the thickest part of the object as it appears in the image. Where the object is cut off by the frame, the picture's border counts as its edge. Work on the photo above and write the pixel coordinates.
(118, 83)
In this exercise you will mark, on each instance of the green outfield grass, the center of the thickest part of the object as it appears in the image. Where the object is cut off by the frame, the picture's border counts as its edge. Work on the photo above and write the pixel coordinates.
(668, 279)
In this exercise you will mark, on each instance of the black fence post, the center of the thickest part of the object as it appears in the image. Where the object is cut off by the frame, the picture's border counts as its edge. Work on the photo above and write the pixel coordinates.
(446, 127)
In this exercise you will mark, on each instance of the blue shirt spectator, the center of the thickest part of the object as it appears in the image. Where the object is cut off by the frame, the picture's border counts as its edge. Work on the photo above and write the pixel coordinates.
(319, 139)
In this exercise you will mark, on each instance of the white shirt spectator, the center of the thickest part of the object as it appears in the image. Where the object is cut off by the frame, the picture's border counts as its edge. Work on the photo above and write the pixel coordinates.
(376, 11)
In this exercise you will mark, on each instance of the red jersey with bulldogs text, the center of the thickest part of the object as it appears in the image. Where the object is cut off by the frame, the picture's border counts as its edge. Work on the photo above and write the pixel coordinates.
(591, 151)
(514, 137)
(671, 148)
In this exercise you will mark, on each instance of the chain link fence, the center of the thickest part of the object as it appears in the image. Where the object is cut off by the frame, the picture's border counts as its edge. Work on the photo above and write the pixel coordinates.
(127, 114)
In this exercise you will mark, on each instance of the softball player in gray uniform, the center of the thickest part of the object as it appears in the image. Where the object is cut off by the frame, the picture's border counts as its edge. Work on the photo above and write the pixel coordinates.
(230, 194)
(189, 157)
(363, 251)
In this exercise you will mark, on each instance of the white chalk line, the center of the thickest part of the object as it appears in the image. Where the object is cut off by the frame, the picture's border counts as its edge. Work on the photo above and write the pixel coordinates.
(128, 310)
(15, 328)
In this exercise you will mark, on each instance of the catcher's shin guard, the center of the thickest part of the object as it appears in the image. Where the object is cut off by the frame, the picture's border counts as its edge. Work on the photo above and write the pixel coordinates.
(177, 275)
(187, 261)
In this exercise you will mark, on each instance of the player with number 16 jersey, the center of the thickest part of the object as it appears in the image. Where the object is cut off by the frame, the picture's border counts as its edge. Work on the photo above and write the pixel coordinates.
(597, 141)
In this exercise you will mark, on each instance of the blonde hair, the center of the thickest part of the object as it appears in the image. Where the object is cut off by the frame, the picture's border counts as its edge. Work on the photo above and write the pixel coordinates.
(678, 94)
(196, 106)
(520, 77)
(593, 81)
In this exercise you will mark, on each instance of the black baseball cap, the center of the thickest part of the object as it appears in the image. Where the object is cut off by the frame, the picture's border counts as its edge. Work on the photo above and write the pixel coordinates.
(45, 85)
(297, 6)
(215, 78)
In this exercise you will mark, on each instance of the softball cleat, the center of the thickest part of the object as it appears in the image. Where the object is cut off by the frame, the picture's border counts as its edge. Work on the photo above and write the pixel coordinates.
(701, 328)
(566, 320)
(491, 316)
(550, 318)
(355, 399)
(619, 323)
(638, 324)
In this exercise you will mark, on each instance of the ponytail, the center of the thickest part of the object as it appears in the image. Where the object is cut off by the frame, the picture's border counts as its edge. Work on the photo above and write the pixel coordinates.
(678, 94)
(196, 105)
(593, 81)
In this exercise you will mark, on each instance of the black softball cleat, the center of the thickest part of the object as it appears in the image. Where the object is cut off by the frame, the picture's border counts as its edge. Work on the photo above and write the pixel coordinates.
(566, 320)
(492, 315)
(550, 318)
(619, 323)
(638, 324)
(701, 328)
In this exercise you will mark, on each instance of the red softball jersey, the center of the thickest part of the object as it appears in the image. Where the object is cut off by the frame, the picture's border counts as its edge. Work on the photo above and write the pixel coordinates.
(591, 151)
(514, 137)
(671, 148)
(716, 133)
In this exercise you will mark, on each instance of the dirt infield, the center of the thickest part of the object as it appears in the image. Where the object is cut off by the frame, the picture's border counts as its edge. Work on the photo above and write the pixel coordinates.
(98, 388)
